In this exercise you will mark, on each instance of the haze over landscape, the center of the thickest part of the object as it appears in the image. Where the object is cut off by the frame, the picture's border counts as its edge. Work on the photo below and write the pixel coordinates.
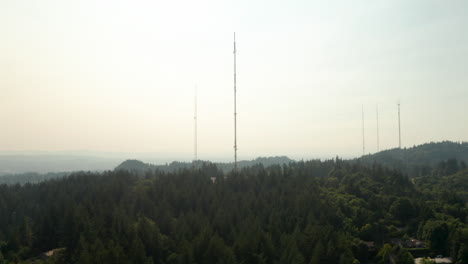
(119, 76)
(320, 132)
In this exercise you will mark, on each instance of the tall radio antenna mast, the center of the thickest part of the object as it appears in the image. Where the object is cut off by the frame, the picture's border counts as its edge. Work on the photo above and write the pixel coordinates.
(399, 127)
(195, 131)
(363, 142)
(377, 112)
(235, 106)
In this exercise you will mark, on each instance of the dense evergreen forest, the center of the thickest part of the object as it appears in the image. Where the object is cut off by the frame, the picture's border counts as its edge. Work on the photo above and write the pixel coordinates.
(331, 211)
(141, 167)
(420, 160)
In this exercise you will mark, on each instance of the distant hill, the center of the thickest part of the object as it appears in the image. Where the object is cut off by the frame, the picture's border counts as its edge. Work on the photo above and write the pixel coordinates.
(435, 158)
(139, 166)
(265, 161)
(132, 165)
(422, 159)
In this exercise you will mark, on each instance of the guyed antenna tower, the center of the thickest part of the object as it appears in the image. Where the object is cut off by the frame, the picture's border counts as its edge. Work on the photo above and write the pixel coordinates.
(195, 128)
(363, 139)
(235, 106)
(377, 112)
(399, 127)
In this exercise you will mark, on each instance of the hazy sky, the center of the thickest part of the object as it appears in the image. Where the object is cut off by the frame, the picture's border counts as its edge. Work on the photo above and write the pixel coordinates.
(119, 76)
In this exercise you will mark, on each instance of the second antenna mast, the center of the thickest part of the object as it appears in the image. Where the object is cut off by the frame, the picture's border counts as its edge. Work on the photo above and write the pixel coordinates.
(363, 138)
(195, 129)
(235, 106)
(399, 127)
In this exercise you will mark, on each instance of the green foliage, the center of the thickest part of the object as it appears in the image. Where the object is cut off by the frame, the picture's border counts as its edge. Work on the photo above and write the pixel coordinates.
(463, 254)
(404, 257)
(435, 158)
(394, 254)
(402, 209)
(436, 232)
(210, 168)
(384, 254)
(303, 212)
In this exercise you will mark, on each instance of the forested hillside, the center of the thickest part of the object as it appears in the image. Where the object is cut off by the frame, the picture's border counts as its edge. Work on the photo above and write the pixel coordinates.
(441, 158)
(302, 212)
(141, 167)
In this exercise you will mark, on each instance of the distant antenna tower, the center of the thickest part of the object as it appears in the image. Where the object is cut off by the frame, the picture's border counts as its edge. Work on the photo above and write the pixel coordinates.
(235, 106)
(363, 141)
(377, 112)
(195, 131)
(399, 127)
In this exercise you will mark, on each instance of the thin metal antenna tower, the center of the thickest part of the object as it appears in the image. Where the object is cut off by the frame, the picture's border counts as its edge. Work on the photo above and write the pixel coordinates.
(235, 106)
(195, 136)
(377, 112)
(399, 127)
(363, 141)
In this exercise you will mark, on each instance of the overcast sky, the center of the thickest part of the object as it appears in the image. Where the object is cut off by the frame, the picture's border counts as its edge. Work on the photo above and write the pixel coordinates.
(119, 76)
